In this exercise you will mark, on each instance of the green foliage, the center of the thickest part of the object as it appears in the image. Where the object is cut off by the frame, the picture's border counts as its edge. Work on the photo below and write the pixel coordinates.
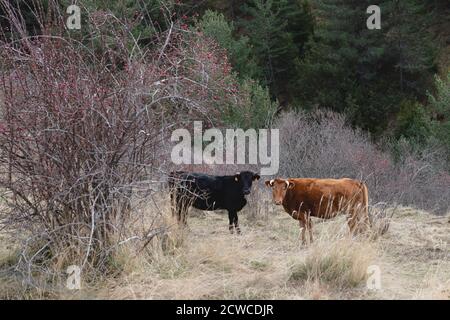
(366, 73)
(413, 123)
(145, 17)
(256, 110)
(278, 30)
(308, 54)
(214, 25)
(440, 104)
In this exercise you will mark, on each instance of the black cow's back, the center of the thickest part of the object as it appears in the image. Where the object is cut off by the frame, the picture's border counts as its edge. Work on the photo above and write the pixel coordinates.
(207, 192)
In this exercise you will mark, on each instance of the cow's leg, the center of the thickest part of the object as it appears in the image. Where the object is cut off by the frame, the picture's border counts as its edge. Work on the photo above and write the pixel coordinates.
(305, 225)
(364, 219)
(231, 220)
(175, 203)
(172, 202)
(182, 210)
(184, 216)
(180, 213)
(303, 231)
(236, 223)
(309, 226)
(176, 208)
(353, 221)
(302, 222)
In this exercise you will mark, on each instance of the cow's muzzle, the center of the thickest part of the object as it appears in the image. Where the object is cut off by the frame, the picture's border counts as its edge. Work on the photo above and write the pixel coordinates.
(278, 202)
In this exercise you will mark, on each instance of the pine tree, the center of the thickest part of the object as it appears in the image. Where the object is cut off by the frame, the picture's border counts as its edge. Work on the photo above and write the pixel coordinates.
(214, 25)
(366, 73)
(440, 108)
(278, 30)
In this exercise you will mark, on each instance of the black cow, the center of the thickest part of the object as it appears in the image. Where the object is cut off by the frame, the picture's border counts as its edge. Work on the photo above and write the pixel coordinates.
(206, 192)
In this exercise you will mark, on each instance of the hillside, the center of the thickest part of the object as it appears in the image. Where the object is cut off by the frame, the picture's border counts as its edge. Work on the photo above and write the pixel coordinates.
(268, 262)
(414, 258)
(89, 122)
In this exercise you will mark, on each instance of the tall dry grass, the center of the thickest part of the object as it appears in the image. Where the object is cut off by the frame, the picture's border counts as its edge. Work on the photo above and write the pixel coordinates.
(205, 261)
(268, 261)
(342, 263)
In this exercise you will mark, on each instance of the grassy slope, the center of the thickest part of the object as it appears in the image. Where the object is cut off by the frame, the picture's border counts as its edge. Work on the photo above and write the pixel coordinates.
(268, 262)
(414, 257)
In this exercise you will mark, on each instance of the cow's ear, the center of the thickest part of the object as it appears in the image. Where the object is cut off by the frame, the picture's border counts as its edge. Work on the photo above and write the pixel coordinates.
(256, 177)
(269, 183)
(291, 184)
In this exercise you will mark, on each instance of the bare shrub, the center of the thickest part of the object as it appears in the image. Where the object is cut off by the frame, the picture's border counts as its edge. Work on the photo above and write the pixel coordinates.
(322, 145)
(83, 126)
(422, 179)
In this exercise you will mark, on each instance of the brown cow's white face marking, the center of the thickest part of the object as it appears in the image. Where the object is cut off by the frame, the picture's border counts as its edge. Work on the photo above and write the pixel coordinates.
(279, 189)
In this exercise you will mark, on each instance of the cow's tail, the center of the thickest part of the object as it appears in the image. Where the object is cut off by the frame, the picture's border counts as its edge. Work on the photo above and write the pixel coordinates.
(177, 201)
(172, 191)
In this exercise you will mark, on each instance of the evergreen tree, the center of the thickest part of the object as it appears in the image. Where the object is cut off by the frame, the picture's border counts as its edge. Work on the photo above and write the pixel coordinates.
(413, 124)
(214, 25)
(366, 73)
(440, 109)
(278, 30)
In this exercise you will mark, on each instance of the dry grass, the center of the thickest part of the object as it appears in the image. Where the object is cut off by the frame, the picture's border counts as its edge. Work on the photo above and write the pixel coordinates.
(268, 261)
(342, 263)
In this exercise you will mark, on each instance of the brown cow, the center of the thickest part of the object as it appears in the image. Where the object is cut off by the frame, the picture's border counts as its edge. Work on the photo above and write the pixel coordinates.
(322, 198)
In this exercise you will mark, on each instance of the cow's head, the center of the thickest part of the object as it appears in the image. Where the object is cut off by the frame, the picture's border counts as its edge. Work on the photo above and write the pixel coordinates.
(279, 189)
(245, 180)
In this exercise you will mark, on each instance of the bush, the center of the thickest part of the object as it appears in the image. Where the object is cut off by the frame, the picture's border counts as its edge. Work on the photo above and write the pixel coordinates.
(81, 130)
(320, 144)
(256, 109)
(440, 104)
(413, 123)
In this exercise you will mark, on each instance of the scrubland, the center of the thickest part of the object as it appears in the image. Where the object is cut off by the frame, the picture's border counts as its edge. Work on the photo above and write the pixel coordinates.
(267, 261)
